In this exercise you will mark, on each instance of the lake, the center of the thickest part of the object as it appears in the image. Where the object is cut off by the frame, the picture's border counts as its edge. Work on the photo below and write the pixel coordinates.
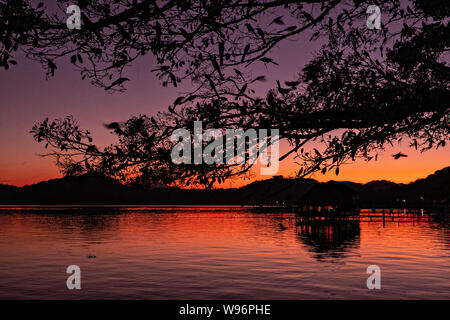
(217, 253)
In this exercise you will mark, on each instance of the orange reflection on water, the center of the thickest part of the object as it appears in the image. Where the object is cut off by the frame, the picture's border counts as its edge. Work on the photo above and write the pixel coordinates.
(217, 253)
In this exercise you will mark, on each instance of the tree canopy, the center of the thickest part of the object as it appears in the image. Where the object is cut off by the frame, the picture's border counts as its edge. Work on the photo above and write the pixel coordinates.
(365, 89)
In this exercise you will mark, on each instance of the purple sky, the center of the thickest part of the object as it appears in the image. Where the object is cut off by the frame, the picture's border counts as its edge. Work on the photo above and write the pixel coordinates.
(26, 98)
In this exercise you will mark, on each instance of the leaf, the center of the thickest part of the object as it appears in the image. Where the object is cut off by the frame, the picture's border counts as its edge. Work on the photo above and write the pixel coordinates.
(154, 122)
(216, 66)
(178, 100)
(260, 78)
(330, 24)
(161, 68)
(184, 33)
(242, 91)
(317, 152)
(399, 155)
(250, 28)
(261, 34)
(174, 79)
(277, 20)
(268, 60)
(86, 163)
(308, 16)
(315, 36)
(211, 83)
(52, 66)
(117, 82)
(246, 49)
(289, 29)
(292, 83)
(239, 73)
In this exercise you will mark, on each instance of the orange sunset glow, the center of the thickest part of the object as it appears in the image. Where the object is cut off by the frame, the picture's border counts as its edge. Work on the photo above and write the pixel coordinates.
(31, 168)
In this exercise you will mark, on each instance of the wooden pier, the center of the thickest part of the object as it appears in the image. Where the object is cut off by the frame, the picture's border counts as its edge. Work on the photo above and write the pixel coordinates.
(363, 215)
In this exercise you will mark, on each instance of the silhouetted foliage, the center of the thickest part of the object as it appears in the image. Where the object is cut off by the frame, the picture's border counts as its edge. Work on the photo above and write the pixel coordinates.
(364, 90)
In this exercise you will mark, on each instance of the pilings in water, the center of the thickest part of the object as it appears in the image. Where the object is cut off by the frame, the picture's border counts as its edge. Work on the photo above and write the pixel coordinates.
(302, 217)
(365, 215)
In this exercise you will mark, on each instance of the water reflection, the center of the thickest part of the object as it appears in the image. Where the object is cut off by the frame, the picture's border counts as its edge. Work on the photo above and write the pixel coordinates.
(216, 253)
(329, 240)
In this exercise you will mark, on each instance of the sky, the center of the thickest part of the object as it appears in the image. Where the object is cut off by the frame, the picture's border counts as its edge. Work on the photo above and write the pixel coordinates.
(26, 98)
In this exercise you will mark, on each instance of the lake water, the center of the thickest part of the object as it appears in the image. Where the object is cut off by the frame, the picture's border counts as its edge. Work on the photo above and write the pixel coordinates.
(216, 253)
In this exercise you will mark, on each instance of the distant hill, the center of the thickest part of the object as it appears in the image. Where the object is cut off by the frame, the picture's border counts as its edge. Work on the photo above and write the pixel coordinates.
(276, 190)
(77, 189)
(96, 189)
(434, 189)
(7, 192)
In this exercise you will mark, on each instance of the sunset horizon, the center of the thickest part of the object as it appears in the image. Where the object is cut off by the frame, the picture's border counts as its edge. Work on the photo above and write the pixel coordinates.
(242, 183)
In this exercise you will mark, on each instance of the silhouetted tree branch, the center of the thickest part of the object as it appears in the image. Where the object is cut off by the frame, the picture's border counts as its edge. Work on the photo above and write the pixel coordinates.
(364, 90)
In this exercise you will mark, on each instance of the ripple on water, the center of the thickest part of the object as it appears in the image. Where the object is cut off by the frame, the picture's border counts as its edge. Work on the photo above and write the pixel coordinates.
(217, 254)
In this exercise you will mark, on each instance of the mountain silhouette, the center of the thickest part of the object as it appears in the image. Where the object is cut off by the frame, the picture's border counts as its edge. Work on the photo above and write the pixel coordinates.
(100, 190)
